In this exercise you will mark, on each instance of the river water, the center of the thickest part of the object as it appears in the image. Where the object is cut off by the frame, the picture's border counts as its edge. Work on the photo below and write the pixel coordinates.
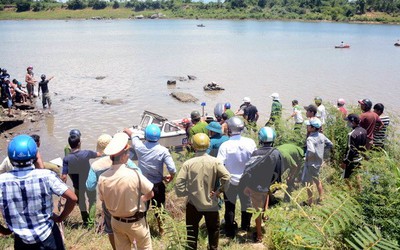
(248, 58)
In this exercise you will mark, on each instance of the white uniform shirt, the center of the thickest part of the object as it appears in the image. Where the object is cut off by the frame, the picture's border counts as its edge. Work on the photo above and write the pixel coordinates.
(234, 154)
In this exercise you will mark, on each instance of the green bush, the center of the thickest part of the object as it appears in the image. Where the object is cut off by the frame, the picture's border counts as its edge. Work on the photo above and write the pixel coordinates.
(76, 5)
(38, 6)
(23, 6)
(380, 196)
(115, 5)
(1, 7)
(99, 5)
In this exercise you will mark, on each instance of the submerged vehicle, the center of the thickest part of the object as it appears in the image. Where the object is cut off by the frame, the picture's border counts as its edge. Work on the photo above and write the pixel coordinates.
(173, 134)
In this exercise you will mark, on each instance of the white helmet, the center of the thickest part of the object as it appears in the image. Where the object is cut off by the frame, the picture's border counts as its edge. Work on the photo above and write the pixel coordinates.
(274, 96)
(246, 99)
(341, 101)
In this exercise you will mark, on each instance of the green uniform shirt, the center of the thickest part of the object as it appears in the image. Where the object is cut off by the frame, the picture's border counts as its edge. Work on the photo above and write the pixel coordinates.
(292, 155)
(200, 127)
(198, 177)
(229, 113)
(276, 110)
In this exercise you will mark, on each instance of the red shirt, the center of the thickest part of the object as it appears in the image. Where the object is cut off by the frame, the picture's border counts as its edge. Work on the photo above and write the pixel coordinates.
(368, 121)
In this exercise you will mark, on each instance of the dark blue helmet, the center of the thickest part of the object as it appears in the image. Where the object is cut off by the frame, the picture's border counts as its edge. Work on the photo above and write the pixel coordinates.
(22, 151)
(227, 105)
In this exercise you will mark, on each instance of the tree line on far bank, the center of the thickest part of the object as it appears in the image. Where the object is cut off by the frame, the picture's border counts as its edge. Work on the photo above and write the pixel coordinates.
(336, 10)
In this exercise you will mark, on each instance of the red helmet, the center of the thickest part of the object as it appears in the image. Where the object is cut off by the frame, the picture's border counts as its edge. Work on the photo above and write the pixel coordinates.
(185, 121)
(29, 67)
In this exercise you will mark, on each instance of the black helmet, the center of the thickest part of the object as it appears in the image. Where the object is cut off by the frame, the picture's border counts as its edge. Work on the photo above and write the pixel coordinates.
(367, 103)
(43, 76)
(195, 115)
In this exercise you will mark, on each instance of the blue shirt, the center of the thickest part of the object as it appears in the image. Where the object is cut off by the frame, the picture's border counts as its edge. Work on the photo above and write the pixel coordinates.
(26, 201)
(77, 162)
(151, 159)
(100, 166)
(215, 143)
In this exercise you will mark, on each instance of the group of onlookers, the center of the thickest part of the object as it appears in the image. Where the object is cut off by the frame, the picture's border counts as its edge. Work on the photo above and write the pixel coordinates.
(226, 164)
(15, 92)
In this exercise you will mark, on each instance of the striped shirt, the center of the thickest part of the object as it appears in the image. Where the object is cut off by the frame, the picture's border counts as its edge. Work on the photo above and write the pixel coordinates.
(380, 135)
(26, 202)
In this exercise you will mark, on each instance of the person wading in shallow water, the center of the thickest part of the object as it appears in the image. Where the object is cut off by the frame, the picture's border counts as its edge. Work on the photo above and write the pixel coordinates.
(30, 83)
(43, 84)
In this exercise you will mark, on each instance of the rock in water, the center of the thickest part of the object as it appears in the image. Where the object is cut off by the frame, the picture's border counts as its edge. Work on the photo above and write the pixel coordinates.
(212, 87)
(184, 97)
(192, 77)
(171, 82)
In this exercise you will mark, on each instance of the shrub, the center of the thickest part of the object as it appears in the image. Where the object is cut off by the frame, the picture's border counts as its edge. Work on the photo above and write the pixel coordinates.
(37, 6)
(380, 197)
(75, 4)
(99, 5)
(23, 6)
(115, 5)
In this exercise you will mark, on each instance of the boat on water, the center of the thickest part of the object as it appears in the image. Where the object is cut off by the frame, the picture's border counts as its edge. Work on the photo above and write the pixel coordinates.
(201, 25)
(345, 46)
(173, 134)
(397, 44)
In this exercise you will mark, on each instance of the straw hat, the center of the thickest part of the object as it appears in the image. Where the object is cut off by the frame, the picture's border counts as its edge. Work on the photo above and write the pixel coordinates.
(117, 144)
(102, 142)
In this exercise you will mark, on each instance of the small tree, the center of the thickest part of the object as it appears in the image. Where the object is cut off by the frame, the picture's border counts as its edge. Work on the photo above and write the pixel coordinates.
(23, 6)
(115, 5)
(75, 4)
(99, 5)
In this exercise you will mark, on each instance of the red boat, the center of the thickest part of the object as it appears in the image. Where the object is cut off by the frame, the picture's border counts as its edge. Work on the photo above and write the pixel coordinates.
(346, 46)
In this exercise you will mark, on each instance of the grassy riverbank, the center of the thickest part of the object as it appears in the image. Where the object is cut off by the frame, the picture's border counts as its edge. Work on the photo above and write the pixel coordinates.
(59, 12)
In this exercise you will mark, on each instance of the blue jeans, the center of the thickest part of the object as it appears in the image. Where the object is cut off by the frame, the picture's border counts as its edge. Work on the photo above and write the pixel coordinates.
(53, 242)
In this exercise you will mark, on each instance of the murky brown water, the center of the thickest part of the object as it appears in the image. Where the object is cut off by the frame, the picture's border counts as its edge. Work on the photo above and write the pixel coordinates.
(136, 58)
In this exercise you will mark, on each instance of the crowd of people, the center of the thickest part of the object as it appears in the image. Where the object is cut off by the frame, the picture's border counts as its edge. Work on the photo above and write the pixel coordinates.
(14, 91)
(226, 164)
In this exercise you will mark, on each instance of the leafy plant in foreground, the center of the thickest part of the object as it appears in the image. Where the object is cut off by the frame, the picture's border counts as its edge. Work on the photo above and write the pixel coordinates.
(321, 226)
(365, 239)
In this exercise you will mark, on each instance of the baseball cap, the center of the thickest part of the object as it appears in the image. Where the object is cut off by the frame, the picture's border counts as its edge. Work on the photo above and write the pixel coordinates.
(314, 122)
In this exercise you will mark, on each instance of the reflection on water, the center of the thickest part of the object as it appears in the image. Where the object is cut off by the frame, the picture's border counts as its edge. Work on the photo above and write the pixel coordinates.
(132, 61)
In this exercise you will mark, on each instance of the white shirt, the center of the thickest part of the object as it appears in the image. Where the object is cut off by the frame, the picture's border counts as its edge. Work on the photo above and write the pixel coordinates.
(321, 113)
(234, 154)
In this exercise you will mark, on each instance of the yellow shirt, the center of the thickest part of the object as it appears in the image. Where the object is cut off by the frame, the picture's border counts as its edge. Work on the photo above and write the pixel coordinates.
(119, 189)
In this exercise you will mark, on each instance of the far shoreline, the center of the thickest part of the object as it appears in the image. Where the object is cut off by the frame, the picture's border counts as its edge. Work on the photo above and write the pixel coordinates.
(108, 13)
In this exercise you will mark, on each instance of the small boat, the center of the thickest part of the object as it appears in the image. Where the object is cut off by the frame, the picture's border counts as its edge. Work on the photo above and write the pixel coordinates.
(397, 44)
(345, 46)
(173, 134)
(201, 25)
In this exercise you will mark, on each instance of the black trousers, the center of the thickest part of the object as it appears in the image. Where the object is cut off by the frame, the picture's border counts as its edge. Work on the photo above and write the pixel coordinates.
(193, 217)
(230, 205)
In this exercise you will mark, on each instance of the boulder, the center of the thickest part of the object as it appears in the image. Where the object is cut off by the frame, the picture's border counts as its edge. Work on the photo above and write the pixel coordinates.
(181, 78)
(184, 97)
(139, 17)
(212, 87)
(111, 101)
(171, 82)
(192, 77)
